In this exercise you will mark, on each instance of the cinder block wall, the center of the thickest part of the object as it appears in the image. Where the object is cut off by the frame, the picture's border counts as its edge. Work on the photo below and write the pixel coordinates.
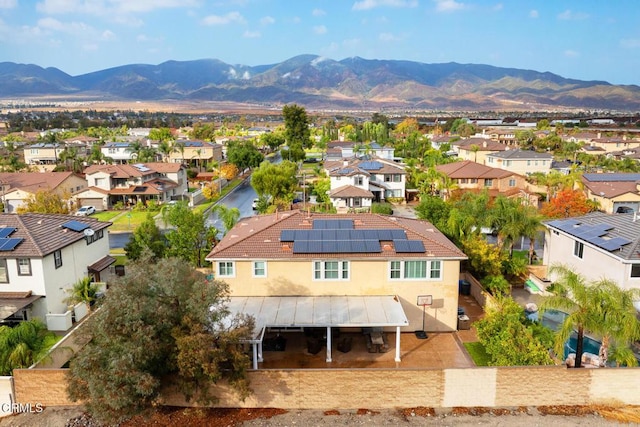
(389, 388)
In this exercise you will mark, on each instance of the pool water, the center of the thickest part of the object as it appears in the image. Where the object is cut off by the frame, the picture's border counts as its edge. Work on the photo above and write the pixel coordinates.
(554, 318)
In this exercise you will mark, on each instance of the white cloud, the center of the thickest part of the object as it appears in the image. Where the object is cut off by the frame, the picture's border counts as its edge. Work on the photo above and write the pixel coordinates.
(251, 34)
(571, 53)
(267, 20)
(372, 4)
(573, 16)
(73, 28)
(320, 29)
(231, 17)
(448, 5)
(318, 12)
(296, 20)
(8, 4)
(388, 37)
(108, 35)
(630, 43)
(109, 7)
(498, 6)
(533, 14)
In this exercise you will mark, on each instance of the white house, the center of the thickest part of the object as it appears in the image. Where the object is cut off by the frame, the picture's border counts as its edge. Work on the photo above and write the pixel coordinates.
(522, 162)
(597, 245)
(120, 152)
(41, 257)
(383, 178)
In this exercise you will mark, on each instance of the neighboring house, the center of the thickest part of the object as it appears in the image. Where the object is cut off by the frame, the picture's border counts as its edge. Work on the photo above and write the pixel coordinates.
(476, 149)
(615, 192)
(523, 162)
(597, 245)
(503, 136)
(41, 257)
(340, 271)
(258, 131)
(17, 187)
(43, 153)
(611, 144)
(340, 150)
(351, 197)
(199, 154)
(130, 184)
(119, 152)
(383, 178)
(83, 140)
(471, 176)
(629, 153)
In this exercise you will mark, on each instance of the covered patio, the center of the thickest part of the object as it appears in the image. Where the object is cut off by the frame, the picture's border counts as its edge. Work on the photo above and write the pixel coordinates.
(299, 312)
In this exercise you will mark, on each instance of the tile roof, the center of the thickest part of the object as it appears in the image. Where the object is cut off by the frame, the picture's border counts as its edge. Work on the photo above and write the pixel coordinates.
(33, 181)
(483, 144)
(521, 154)
(43, 233)
(350, 191)
(258, 237)
(469, 169)
(358, 166)
(611, 184)
(126, 171)
(625, 226)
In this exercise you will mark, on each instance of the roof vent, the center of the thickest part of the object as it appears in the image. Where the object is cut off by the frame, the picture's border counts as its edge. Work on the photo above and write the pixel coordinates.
(386, 247)
(266, 241)
(286, 247)
(358, 222)
(391, 218)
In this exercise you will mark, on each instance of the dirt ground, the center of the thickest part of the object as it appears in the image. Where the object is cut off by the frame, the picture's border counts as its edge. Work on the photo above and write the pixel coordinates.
(584, 416)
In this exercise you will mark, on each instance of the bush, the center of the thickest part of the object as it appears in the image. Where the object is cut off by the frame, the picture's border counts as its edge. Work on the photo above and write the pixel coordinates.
(153, 206)
(382, 208)
(118, 206)
(497, 285)
(395, 200)
(192, 173)
(139, 206)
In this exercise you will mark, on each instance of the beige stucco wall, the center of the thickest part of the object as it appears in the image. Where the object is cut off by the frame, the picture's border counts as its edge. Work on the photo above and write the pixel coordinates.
(366, 277)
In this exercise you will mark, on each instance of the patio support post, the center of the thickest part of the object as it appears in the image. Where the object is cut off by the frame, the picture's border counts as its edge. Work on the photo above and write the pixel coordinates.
(255, 355)
(397, 343)
(328, 343)
(260, 359)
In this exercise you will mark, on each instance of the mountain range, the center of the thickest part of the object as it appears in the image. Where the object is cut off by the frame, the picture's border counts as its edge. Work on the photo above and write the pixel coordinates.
(320, 82)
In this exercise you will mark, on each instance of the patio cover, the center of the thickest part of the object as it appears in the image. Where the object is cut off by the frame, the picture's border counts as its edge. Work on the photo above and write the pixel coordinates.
(320, 311)
(11, 305)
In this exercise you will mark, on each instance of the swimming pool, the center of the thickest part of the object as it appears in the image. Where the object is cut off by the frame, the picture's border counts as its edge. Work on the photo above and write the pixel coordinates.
(553, 319)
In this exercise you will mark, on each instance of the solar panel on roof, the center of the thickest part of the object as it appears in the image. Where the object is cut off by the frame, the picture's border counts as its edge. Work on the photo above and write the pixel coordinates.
(408, 246)
(373, 165)
(335, 246)
(287, 235)
(75, 225)
(9, 244)
(6, 231)
(332, 224)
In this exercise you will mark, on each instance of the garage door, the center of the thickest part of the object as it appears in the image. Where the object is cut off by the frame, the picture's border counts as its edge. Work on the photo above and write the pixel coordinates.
(96, 203)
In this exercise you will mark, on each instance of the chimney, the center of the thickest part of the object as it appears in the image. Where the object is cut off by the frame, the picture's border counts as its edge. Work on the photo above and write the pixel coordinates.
(345, 163)
(484, 144)
(599, 135)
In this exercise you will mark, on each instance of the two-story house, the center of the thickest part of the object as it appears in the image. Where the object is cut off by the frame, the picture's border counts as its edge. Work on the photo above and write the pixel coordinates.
(522, 162)
(351, 271)
(476, 149)
(130, 184)
(383, 178)
(119, 152)
(41, 257)
(339, 150)
(43, 153)
(614, 192)
(472, 176)
(17, 187)
(194, 153)
(598, 246)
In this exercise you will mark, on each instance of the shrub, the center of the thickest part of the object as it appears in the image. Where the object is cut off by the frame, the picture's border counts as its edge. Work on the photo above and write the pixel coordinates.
(382, 208)
(118, 206)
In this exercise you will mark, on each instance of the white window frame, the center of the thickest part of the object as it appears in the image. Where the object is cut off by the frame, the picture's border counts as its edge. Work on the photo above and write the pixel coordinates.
(319, 268)
(253, 269)
(431, 266)
(578, 249)
(23, 269)
(227, 264)
(57, 258)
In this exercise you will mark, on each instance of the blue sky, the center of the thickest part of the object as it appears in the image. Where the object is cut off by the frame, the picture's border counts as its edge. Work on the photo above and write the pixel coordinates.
(582, 39)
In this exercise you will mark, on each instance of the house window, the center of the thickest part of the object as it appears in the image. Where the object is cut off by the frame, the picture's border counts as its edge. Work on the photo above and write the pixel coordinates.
(462, 181)
(225, 269)
(418, 269)
(372, 178)
(397, 178)
(489, 159)
(507, 163)
(331, 270)
(635, 270)
(57, 258)
(112, 151)
(473, 180)
(387, 178)
(578, 249)
(357, 180)
(528, 162)
(512, 183)
(488, 182)
(34, 151)
(24, 266)
(357, 202)
(4, 274)
(259, 269)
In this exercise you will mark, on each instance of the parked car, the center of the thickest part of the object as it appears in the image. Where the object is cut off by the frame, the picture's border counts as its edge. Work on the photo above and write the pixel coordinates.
(86, 211)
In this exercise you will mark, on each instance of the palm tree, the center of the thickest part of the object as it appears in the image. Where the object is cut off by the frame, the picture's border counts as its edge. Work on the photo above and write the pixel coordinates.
(135, 148)
(600, 307)
(84, 290)
(229, 216)
(165, 148)
(179, 146)
(23, 345)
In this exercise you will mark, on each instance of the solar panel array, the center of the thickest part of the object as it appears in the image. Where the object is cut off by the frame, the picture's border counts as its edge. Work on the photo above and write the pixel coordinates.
(9, 244)
(141, 167)
(370, 166)
(6, 231)
(591, 233)
(612, 177)
(75, 225)
(339, 236)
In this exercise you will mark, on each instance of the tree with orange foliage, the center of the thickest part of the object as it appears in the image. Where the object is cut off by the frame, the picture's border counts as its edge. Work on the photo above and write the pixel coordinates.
(567, 203)
(229, 171)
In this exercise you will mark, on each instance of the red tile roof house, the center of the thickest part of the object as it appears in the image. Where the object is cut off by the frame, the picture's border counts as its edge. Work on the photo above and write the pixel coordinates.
(382, 178)
(615, 192)
(41, 257)
(129, 184)
(476, 149)
(17, 187)
(471, 176)
(350, 271)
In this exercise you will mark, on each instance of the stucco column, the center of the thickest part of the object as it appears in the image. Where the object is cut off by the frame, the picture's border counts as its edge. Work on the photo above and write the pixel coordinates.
(255, 355)
(397, 343)
(328, 343)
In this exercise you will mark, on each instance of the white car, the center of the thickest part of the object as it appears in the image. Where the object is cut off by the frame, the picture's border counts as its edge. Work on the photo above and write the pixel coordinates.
(86, 211)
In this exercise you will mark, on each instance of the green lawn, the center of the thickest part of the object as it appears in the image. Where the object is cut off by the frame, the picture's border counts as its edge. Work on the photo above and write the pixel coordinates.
(129, 221)
(106, 215)
(477, 353)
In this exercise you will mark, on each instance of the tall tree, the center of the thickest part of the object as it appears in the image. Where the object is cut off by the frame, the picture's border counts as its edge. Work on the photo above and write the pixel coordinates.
(44, 201)
(244, 155)
(162, 320)
(275, 181)
(190, 238)
(296, 126)
(228, 216)
(146, 236)
(567, 203)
